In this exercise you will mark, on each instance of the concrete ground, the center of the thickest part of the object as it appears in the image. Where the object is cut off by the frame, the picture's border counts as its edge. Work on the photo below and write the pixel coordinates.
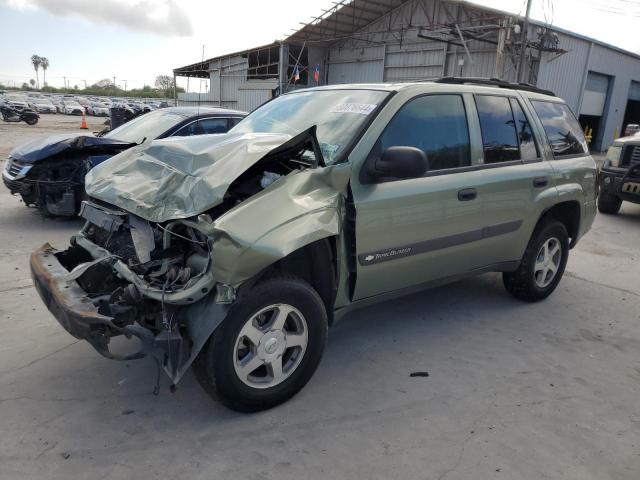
(514, 391)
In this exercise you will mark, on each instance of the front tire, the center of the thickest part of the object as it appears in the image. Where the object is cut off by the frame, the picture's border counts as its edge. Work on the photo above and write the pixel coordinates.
(268, 346)
(31, 120)
(608, 204)
(542, 264)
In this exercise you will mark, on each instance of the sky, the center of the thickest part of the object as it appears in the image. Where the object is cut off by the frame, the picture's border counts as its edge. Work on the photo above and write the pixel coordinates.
(135, 40)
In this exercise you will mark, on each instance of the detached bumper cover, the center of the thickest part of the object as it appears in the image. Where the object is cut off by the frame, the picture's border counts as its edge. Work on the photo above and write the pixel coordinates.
(71, 306)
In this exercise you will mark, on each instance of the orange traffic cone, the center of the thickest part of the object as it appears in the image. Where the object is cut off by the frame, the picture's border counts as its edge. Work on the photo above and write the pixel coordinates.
(83, 125)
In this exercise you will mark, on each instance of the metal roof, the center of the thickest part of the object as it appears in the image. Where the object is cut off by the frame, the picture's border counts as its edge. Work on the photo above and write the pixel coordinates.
(345, 18)
(348, 17)
(201, 69)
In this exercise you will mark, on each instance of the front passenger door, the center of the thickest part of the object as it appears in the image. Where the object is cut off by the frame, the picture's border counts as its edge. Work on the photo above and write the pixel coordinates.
(421, 229)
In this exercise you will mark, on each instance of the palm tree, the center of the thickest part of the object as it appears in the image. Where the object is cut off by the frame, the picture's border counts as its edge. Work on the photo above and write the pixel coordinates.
(36, 61)
(44, 63)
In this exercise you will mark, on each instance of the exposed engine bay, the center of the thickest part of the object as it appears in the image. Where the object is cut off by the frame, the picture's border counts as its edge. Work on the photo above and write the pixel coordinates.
(154, 280)
(55, 173)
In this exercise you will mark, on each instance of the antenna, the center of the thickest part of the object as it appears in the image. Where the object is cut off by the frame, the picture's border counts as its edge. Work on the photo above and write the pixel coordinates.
(199, 94)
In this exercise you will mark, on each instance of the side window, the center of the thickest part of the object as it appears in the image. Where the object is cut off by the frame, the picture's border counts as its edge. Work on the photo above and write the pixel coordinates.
(437, 124)
(233, 121)
(203, 126)
(499, 139)
(214, 125)
(528, 148)
(563, 130)
(188, 130)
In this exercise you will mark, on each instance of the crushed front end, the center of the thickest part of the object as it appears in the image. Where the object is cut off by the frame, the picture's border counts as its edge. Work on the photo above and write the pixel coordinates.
(49, 173)
(123, 275)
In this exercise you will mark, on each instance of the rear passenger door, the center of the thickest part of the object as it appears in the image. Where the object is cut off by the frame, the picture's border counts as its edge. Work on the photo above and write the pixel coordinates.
(574, 168)
(515, 182)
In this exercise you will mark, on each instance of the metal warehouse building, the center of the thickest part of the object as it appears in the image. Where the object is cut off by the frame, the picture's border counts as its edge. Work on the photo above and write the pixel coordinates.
(409, 40)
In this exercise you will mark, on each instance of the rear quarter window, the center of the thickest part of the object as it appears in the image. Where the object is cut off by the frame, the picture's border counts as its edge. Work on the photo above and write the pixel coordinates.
(563, 131)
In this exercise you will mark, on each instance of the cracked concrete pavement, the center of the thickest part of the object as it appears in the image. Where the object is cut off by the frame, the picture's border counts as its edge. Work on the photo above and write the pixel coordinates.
(514, 391)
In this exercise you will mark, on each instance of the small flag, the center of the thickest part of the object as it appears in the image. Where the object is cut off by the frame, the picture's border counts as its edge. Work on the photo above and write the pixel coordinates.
(296, 75)
(316, 74)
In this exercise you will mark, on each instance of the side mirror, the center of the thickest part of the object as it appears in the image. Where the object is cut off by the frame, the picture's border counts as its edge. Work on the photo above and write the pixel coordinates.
(397, 163)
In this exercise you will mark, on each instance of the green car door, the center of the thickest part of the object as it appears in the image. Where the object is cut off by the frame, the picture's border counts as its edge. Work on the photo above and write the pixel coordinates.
(416, 230)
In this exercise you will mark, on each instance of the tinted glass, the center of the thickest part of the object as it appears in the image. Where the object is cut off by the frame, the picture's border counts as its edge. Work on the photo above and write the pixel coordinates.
(563, 130)
(528, 148)
(214, 125)
(499, 139)
(206, 125)
(436, 124)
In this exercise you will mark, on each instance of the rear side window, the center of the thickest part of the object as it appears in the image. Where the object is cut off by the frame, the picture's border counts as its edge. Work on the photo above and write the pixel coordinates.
(204, 126)
(436, 124)
(561, 127)
(528, 148)
(499, 139)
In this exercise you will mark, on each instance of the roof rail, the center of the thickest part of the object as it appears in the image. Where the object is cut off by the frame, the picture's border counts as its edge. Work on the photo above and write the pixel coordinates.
(494, 82)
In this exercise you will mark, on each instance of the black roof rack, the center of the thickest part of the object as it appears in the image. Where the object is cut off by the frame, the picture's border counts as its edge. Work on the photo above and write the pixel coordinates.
(494, 82)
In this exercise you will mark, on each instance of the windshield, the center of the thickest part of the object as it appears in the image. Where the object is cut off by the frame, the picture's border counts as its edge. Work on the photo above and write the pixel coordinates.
(71, 103)
(147, 127)
(338, 114)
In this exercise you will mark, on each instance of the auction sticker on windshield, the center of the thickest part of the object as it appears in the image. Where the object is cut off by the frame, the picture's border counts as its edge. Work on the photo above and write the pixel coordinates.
(360, 108)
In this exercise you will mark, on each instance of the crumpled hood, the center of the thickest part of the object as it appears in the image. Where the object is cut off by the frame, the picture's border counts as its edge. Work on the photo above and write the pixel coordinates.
(45, 147)
(178, 177)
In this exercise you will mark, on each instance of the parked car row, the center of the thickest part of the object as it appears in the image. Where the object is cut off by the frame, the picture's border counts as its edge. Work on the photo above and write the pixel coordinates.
(75, 104)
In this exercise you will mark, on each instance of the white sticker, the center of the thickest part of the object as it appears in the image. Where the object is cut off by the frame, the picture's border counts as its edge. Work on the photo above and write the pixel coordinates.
(360, 108)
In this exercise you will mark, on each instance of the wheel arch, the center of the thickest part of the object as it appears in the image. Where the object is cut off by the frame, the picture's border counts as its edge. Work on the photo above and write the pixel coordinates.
(316, 264)
(569, 213)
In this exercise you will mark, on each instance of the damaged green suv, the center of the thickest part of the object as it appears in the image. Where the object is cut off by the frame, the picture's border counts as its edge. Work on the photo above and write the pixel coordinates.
(235, 252)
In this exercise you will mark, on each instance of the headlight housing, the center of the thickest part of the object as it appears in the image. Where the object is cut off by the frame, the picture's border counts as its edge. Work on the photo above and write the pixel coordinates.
(614, 154)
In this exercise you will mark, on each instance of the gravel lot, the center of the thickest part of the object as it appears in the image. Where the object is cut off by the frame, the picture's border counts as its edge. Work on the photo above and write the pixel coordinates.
(515, 391)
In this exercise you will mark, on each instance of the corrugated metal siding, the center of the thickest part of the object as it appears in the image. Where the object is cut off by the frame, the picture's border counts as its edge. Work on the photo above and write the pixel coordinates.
(563, 75)
(624, 69)
(356, 65)
(249, 100)
(409, 58)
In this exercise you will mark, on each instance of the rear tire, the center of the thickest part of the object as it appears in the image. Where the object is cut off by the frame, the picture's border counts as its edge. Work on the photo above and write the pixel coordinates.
(542, 265)
(285, 354)
(608, 204)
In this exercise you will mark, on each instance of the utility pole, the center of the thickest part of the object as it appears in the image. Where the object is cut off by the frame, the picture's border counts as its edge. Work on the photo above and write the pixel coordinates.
(523, 42)
(85, 84)
(125, 86)
(65, 83)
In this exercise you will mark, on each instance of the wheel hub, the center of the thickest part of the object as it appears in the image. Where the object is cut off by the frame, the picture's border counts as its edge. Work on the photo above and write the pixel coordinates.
(271, 345)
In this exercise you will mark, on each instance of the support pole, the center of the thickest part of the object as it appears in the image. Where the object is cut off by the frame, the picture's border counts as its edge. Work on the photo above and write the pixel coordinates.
(175, 92)
(523, 42)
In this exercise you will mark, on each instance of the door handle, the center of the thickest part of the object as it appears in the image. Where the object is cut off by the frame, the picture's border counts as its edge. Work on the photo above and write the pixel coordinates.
(467, 194)
(540, 182)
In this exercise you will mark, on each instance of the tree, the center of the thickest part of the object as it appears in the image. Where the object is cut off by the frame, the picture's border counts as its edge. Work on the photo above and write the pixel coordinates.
(104, 83)
(36, 61)
(165, 84)
(44, 63)
(32, 82)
